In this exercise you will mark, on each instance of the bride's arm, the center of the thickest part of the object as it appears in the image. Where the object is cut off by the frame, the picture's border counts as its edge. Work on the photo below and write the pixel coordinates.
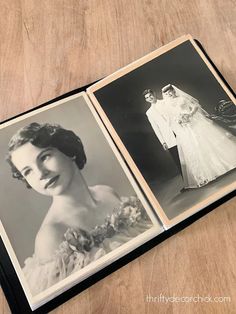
(193, 107)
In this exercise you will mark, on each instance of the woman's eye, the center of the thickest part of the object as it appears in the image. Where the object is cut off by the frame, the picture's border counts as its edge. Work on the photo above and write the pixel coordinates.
(45, 157)
(26, 172)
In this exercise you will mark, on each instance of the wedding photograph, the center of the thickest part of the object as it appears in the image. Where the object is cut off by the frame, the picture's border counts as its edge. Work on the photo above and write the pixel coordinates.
(174, 121)
(62, 213)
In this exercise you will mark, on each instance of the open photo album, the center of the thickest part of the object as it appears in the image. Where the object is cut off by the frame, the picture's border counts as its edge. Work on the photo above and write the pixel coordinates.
(89, 178)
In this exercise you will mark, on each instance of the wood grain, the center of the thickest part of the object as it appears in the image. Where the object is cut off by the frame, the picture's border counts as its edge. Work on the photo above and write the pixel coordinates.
(51, 47)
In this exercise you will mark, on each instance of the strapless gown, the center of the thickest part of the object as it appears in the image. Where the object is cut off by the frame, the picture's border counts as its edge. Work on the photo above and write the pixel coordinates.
(80, 247)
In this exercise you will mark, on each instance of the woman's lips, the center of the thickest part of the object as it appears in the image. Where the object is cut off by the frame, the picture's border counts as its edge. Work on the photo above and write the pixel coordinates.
(51, 182)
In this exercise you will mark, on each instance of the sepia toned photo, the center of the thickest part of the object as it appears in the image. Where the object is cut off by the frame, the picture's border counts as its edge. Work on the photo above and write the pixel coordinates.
(69, 205)
(174, 120)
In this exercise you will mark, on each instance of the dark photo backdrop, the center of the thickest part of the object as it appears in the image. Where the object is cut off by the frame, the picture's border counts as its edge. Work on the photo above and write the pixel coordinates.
(125, 106)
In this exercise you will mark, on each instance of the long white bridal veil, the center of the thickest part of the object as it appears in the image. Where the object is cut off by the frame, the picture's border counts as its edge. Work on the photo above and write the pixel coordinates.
(191, 99)
(181, 93)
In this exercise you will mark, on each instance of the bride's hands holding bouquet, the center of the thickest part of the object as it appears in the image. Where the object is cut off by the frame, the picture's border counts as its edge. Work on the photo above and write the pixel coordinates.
(184, 118)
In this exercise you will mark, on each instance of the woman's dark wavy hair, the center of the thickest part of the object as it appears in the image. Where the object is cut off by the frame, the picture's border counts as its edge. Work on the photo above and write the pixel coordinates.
(46, 135)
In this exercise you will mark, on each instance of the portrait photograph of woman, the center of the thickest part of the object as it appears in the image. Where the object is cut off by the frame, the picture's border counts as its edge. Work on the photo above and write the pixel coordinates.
(173, 118)
(69, 203)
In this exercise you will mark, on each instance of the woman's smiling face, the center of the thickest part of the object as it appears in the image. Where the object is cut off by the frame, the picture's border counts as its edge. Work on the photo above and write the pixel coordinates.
(47, 170)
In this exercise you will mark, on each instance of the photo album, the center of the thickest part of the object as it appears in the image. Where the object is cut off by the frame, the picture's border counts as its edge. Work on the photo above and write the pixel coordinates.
(89, 179)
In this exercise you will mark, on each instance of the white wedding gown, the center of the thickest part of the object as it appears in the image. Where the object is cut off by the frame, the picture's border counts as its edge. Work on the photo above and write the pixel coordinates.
(205, 149)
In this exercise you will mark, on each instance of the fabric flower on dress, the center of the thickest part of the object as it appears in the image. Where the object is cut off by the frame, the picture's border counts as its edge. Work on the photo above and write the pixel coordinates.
(128, 214)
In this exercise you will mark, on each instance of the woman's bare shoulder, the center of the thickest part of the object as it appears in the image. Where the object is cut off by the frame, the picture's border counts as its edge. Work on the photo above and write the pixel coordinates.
(48, 239)
(103, 191)
(106, 198)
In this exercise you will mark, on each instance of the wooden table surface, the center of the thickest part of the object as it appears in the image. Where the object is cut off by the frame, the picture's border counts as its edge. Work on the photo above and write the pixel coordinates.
(48, 48)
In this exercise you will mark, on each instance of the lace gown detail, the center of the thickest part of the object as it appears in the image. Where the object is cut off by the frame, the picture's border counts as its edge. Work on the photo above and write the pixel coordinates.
(205, 149)
(81, 247)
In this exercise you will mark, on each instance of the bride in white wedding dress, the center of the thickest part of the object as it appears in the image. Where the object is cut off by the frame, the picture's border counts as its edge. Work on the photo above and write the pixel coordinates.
(205, 149)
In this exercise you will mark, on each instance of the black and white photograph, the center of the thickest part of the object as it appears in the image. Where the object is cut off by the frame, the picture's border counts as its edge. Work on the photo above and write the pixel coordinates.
(175, 121)
(69, 205)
